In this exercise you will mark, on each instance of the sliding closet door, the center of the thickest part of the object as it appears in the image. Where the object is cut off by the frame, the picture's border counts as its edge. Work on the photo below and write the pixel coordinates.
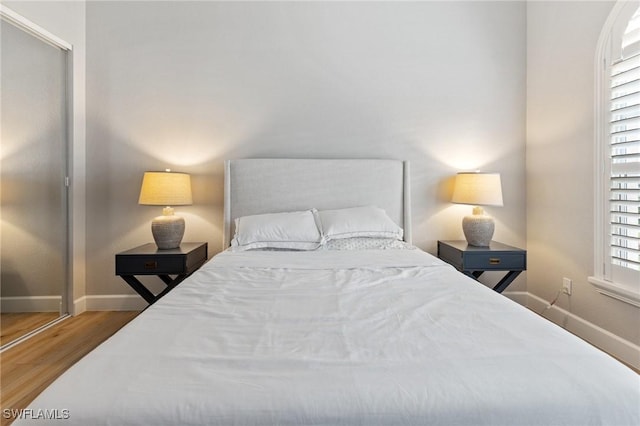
(34, 224)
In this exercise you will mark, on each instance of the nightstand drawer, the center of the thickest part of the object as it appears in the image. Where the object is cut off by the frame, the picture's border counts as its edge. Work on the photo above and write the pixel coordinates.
(140, 265)
(497, 261)
(148, 260)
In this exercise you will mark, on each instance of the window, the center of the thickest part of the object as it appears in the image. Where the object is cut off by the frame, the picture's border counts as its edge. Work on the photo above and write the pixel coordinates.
(617, 256)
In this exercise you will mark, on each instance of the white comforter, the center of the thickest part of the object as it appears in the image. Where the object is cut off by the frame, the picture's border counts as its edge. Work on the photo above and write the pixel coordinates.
(341, 338)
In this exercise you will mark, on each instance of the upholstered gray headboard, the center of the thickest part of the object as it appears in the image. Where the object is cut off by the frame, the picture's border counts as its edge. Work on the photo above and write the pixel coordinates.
(256, 186)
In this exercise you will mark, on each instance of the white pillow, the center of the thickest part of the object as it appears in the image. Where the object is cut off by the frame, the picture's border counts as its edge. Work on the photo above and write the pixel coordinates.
(353, 222)
(291, 230)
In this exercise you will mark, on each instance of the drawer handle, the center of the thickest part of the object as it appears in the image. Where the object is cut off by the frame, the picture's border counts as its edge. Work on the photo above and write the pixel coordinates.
(150, 265)
(494, 261)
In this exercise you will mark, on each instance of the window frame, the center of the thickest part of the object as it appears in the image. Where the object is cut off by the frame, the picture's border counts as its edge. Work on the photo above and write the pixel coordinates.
(608, 50)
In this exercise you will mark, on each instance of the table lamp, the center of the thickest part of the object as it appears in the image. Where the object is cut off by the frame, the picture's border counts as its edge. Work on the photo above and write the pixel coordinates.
(166, 189)
(478, 189)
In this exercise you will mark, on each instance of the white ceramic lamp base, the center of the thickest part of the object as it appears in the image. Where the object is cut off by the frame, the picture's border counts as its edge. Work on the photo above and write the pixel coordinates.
(478, 228)
(167, 231)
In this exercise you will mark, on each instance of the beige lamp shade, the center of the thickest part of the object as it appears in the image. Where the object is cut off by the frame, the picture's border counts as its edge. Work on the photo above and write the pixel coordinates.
(166, 189)
(478, 189)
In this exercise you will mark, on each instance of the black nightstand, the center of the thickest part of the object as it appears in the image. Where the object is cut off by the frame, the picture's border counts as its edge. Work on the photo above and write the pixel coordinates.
(149, 260)
(474, 261)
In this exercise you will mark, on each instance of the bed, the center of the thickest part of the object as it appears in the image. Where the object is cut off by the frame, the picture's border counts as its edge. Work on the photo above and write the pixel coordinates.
(361, 329)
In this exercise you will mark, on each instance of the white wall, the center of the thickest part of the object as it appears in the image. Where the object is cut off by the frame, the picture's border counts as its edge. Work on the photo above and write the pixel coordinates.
(561, 47)
(66, 19)
(188, 84)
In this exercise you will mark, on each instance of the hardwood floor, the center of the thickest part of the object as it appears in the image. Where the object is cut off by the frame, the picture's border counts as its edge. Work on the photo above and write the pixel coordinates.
(29, 367)
(14, 325)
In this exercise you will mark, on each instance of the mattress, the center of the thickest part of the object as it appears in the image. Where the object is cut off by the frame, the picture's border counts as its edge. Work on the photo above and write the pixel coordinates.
(368, 337)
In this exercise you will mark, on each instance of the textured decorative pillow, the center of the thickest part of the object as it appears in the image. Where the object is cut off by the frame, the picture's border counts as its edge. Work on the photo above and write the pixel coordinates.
(366, 243)
(291, 231)
(368, 221)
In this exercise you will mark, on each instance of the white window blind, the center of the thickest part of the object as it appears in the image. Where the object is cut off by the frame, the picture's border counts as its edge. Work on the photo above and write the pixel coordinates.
(624, 167)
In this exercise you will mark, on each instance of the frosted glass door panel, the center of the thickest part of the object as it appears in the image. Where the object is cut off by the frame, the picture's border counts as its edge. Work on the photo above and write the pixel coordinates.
(33, 234)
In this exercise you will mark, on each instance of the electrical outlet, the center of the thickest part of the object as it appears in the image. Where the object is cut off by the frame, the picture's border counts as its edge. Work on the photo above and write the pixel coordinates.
(566, 286)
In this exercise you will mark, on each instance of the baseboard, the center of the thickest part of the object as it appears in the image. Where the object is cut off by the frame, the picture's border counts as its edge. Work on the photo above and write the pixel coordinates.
(620, 348)
(79, 305)
(520, 297)
(31, 304)
(111, 302)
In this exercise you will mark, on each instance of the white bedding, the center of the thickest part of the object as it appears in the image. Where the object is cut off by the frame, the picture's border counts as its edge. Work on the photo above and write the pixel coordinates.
(388, 337)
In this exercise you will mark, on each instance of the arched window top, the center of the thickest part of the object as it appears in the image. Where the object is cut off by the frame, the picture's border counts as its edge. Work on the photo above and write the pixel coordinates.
(631, 36)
